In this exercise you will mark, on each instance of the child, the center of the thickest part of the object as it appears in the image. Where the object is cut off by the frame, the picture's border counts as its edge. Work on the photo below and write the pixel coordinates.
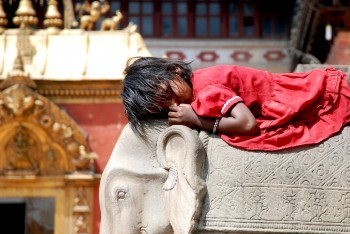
(249, 108)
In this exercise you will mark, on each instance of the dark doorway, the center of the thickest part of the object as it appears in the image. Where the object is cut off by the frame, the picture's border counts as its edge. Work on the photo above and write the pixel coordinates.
(12, 218)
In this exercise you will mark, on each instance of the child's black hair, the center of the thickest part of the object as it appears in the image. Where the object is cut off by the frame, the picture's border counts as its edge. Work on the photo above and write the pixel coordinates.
(141, 96)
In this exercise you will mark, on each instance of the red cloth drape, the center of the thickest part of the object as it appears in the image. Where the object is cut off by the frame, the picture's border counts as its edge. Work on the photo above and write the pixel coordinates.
(292, 109)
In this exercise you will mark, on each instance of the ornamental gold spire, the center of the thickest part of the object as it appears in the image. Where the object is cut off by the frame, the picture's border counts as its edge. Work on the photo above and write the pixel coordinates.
(18, 75)
(3, 19)
(25, 14)
(53, 19)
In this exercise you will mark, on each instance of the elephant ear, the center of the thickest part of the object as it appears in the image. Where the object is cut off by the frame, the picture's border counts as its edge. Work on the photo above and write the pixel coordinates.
(180, 151)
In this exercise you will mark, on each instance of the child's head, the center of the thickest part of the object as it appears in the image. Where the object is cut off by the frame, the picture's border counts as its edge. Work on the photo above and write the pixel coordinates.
(146, 88)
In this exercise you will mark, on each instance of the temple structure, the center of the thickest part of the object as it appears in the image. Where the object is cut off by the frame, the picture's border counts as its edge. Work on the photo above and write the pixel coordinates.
(60, 115)
(61, 72)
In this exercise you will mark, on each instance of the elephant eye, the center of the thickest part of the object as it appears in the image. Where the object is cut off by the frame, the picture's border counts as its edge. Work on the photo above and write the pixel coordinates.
(120, 194)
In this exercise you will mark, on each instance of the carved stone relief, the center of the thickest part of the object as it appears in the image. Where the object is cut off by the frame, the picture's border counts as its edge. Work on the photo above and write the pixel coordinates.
(302, 189)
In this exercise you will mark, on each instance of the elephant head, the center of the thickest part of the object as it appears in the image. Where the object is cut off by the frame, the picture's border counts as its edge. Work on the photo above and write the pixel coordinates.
(154, 185)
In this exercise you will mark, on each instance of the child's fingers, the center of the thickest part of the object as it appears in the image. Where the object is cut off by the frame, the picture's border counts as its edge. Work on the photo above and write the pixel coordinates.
(174, 107)
(172, 114)
(173, 121)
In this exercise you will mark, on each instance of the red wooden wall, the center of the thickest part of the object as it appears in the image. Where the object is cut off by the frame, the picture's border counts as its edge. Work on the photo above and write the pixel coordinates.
(103, 123)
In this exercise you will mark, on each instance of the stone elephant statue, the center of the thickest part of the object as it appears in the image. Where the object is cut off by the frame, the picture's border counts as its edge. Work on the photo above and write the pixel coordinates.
(153, 186)
(179, 180)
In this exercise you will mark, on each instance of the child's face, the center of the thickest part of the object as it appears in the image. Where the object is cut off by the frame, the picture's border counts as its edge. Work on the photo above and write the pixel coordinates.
(180, 92)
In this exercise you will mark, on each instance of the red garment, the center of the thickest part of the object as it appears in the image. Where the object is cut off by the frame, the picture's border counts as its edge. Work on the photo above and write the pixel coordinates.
(292, 109)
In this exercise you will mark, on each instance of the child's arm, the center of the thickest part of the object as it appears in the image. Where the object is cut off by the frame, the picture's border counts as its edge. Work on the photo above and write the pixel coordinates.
(241, 121)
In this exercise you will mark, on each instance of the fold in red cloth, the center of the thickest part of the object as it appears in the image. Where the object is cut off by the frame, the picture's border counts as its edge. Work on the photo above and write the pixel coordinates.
(292, 109)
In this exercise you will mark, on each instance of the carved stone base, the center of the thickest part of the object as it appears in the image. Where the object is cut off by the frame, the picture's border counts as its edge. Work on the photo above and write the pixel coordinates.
(216, 188)
(301, 190)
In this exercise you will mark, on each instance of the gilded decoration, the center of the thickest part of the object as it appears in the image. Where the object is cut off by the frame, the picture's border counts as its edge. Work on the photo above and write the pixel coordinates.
(81, 210)
(49, 58)
(94, 10)
(92, 54)
(36, 136)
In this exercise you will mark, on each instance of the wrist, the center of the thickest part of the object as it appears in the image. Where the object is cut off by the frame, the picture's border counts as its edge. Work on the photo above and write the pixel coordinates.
(207, 123)
(216, 124)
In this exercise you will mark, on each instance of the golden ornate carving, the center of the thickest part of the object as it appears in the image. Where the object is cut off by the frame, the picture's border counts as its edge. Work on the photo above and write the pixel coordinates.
(52, 11)
(21, 153)
(81, 211)
(3, 19)
(25, 8)
(81, 225)
(25, 14)
(95, 10)
(18, 105)
(17, 76)
(36, 137)
(53, 17)
(112, 23)
(81, 203)
(81, 91)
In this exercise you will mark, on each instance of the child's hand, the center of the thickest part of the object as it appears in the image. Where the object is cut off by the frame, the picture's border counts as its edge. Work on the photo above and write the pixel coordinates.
(241, 121)
(183, 114)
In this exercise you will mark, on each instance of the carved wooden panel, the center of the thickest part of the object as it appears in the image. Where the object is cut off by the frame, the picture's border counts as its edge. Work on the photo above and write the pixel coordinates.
(44, 153)
(36, 137)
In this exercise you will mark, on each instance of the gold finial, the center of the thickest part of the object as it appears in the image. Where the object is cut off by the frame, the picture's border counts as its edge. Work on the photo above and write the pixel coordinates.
(52, 11)
(52, 17)
(18, 75)
(3, 19)
(25, 14)
(2, 12)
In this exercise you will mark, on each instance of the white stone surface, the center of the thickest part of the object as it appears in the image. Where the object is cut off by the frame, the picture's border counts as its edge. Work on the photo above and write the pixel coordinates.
(302, 190)
(73, 54)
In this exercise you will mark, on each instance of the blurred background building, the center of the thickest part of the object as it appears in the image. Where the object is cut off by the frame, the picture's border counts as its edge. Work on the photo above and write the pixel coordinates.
(61, 72)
